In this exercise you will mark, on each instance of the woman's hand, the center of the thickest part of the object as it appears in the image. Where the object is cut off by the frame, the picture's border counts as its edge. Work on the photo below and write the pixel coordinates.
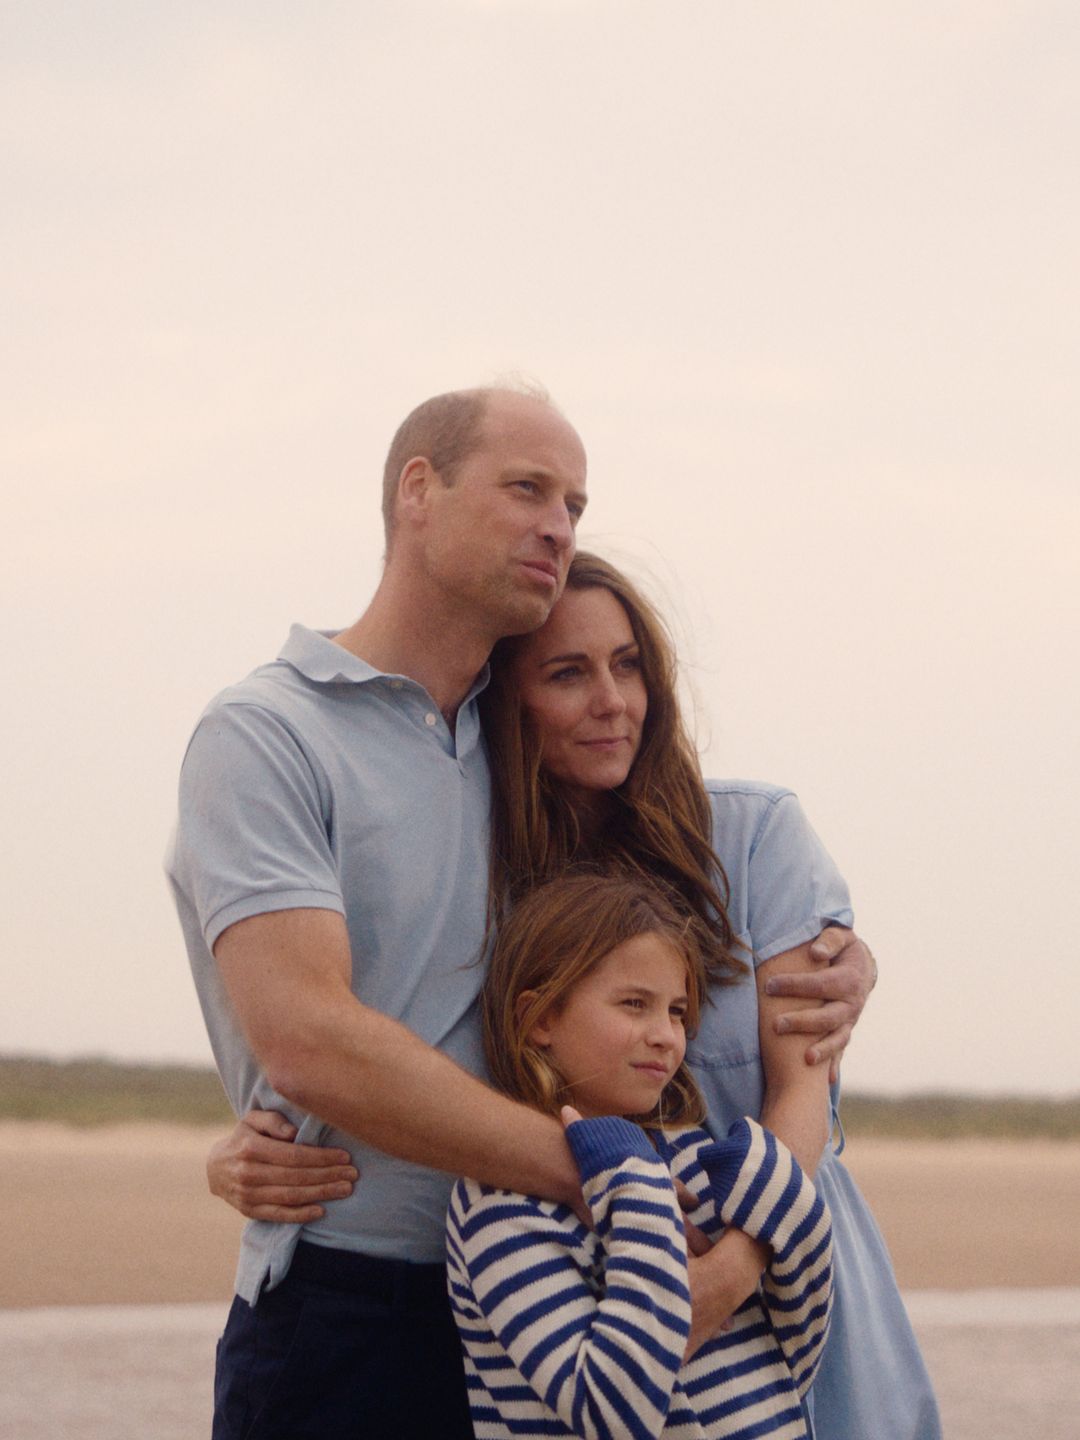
(259, 1171)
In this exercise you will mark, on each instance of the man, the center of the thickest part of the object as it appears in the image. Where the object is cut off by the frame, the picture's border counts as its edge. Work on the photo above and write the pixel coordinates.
(330, 871)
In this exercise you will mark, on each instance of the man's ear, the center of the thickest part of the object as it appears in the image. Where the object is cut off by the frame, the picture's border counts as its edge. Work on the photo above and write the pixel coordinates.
(414, 487)
(539, 1032)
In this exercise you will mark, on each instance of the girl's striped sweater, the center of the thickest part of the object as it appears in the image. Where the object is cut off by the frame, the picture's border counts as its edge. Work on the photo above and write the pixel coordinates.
(572, 1331)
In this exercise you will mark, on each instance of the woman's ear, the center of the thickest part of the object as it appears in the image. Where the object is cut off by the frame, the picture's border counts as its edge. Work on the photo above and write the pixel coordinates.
(539, 1032)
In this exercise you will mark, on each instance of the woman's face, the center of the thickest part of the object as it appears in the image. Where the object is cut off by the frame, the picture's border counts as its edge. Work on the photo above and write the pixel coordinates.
(579, 678)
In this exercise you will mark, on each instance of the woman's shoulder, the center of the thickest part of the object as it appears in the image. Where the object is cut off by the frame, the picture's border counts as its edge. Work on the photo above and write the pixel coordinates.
(744, 810)
(757, 794)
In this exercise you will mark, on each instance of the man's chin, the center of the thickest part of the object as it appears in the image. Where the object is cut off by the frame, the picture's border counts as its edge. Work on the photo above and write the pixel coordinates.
(523, 615)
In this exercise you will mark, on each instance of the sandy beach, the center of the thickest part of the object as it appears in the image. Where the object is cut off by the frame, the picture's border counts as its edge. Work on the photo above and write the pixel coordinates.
(983, 1235)
(85, 1212)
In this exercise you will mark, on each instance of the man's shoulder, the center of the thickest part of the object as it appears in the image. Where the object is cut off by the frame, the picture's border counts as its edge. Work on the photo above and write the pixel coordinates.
(275, 686)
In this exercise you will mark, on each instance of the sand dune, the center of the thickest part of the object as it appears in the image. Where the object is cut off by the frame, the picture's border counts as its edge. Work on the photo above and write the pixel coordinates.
(122, 1215)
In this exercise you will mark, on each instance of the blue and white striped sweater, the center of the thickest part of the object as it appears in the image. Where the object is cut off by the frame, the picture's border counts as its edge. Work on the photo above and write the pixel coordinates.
(571, 1331)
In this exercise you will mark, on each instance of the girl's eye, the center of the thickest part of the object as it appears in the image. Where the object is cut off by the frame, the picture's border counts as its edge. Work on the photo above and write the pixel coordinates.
(567, 672)
(632, 1002)
(679, 1015)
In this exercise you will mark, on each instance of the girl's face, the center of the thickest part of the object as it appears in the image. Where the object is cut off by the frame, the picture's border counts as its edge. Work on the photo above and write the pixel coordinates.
(619, 1036)
(579, 677)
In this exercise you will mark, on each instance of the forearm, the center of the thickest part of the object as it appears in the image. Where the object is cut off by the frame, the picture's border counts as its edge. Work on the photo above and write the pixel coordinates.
(758, 1187)
(720, 1281)
(796, 1110)
(287, 974)
(796, 1103)
(370, 1076)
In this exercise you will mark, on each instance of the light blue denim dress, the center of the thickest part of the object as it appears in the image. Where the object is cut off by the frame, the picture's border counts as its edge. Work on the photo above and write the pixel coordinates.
(785, 889)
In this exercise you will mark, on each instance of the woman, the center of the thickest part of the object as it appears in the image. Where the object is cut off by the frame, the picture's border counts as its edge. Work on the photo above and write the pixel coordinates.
(591, 762)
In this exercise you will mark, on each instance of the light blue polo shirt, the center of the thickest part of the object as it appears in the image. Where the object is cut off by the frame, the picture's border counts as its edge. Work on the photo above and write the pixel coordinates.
(319, 782)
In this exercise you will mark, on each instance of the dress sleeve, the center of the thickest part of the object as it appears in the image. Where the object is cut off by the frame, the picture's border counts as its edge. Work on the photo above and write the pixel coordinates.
(757, 1186)
(605, 1363)
(252, 835)
(794, 889)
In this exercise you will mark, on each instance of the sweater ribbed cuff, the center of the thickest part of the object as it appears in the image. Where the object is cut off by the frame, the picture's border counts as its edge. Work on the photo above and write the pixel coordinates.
(605, 1142)
(723, 1161)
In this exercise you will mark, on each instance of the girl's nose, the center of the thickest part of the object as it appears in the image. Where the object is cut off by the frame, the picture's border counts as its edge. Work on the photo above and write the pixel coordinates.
(662, 1031)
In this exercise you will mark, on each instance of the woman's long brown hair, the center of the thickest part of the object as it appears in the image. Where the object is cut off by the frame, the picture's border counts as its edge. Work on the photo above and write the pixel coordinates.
(659, 824)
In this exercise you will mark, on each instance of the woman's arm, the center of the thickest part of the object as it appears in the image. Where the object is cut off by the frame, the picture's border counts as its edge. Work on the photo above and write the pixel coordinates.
(796, 1106)
(796, 1109)
(605, 1366)
(843, 983)
(258, 1170)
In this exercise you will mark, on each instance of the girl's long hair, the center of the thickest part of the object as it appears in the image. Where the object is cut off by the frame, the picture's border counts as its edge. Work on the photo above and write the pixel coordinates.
(659, 822)
(556, 936)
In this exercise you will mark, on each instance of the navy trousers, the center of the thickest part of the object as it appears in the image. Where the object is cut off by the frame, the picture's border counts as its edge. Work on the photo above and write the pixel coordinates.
(346, 1346)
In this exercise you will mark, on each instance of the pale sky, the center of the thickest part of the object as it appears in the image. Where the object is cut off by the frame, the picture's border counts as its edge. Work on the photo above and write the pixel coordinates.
(803, 275)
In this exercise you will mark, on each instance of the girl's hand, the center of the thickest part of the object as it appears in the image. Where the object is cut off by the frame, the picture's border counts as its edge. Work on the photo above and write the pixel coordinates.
(569, 1116)
(259, 1171)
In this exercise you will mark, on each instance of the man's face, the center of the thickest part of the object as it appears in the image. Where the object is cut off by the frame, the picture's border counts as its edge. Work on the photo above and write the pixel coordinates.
(500, 538)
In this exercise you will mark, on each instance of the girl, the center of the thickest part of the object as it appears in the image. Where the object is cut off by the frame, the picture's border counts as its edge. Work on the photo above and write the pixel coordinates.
(593, 987)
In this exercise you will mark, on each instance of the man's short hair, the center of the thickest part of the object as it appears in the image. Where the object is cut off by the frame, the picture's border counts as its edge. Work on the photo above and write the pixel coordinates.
(445, 430)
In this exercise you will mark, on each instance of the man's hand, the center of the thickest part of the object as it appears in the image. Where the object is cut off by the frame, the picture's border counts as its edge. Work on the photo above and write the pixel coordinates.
(261, 1173)
(843, 989)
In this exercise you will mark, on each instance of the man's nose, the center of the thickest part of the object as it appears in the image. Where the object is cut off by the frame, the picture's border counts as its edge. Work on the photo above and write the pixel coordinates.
(558, 526)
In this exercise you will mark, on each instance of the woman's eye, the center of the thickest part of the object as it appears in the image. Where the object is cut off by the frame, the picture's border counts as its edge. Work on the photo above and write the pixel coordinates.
(632, 1003)
(568, 672)
(630, 663)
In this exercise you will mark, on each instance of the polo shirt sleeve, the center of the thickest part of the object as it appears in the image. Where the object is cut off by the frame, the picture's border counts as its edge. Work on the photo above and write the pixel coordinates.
(794, 889)
(253, 829)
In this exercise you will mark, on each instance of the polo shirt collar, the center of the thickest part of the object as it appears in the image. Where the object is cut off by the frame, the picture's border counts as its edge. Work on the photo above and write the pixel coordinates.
(315, 656)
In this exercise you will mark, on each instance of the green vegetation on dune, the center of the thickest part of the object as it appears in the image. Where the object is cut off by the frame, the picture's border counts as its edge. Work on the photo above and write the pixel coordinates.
(936, 1116)
(107, 1092)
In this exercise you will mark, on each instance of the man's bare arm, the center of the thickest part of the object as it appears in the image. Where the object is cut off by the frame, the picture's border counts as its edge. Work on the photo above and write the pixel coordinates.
(287, 975)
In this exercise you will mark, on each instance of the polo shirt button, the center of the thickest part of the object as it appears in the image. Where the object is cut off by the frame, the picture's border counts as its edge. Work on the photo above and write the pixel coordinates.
(396, 684)
(431, 718)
